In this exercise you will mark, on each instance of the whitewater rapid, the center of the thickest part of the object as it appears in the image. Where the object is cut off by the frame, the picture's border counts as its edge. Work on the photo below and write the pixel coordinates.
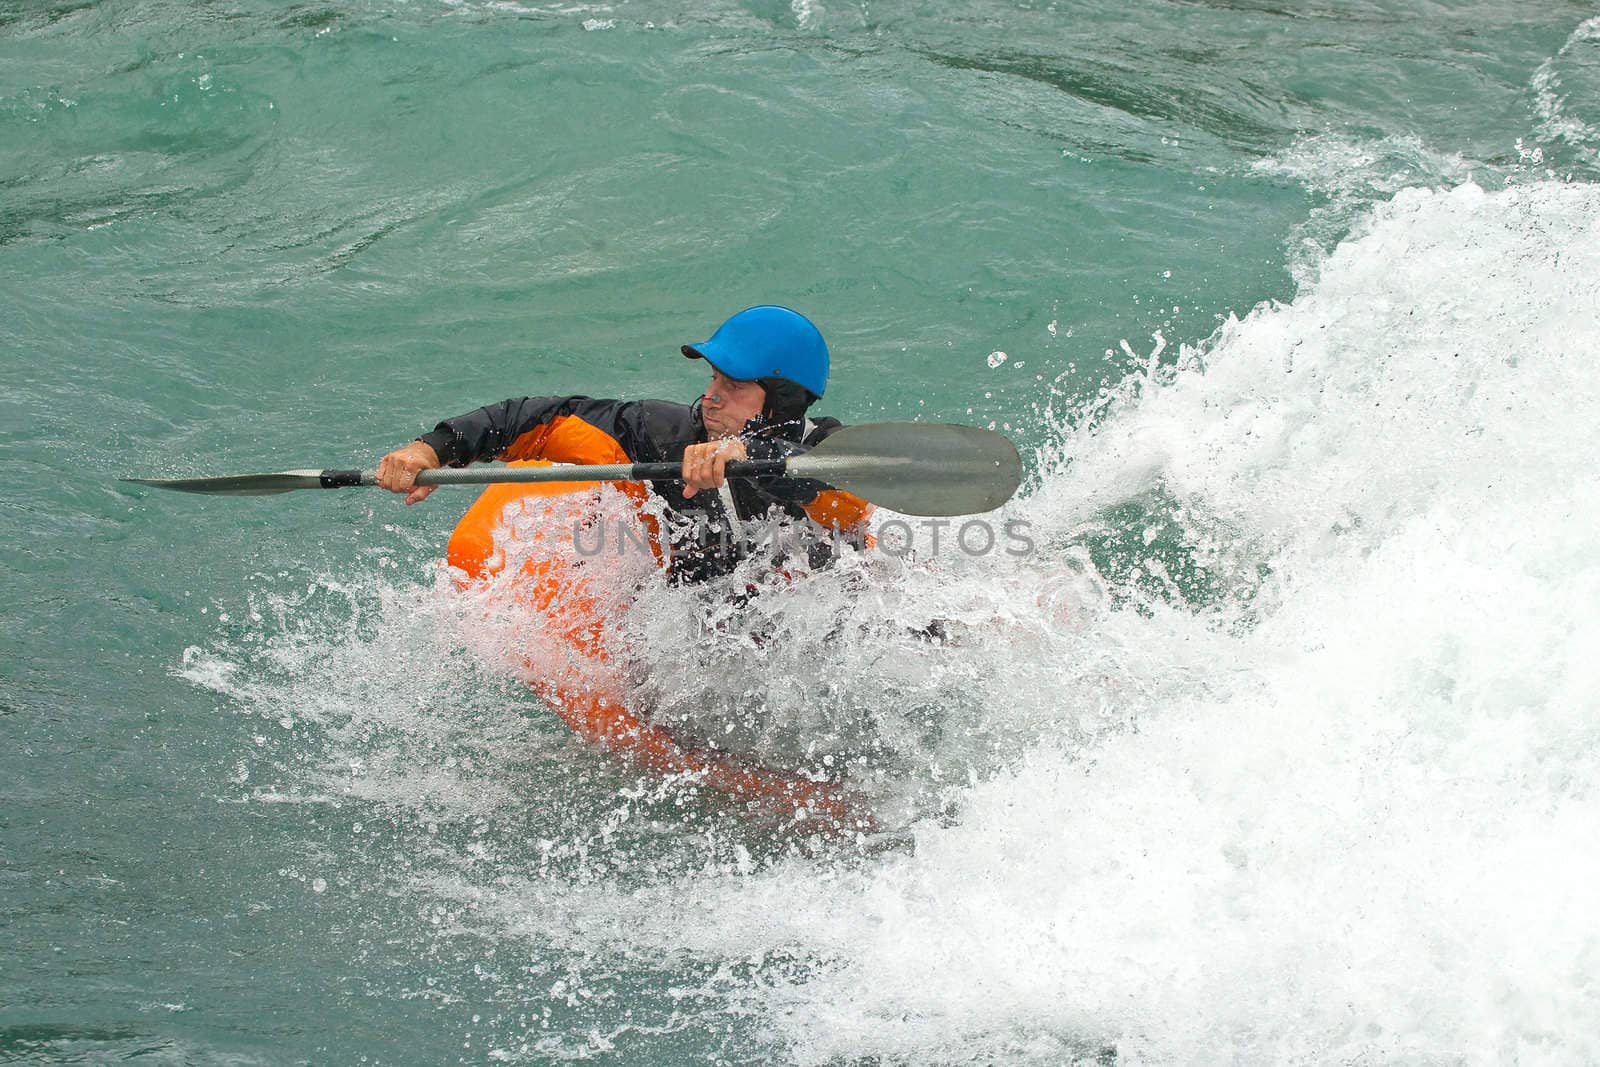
(1356, 816)
(1352, 814)
(1284, 747)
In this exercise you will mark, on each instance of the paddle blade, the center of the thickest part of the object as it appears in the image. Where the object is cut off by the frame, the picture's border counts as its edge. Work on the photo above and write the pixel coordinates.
(239, 484)
(917, 468)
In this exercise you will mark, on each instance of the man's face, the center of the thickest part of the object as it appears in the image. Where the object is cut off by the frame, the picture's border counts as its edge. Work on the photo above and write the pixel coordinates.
(727, 405)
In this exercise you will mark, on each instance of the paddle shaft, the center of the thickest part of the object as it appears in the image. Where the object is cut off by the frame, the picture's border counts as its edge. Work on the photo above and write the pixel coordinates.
(600, 472)
(915, 468)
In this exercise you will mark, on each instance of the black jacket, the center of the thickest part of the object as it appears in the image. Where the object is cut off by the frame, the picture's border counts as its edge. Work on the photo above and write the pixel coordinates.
(702, 543)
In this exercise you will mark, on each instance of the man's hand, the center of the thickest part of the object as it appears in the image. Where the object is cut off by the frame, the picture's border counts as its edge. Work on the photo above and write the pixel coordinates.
(397, 472)
(704, 465)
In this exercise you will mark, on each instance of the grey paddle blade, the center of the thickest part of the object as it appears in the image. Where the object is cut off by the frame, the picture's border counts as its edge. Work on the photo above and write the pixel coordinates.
(239, 484)
(917, 468)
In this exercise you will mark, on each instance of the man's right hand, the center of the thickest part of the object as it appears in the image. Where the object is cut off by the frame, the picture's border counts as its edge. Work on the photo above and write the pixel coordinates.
(397, 472)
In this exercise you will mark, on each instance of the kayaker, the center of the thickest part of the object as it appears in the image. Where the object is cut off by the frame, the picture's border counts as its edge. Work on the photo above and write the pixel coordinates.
(769, 365)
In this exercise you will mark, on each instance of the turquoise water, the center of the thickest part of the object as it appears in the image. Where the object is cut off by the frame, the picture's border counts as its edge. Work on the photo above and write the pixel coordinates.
(1282, 748)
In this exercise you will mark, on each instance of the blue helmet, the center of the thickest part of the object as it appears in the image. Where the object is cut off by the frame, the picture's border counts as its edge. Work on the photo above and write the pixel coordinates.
(768, 342)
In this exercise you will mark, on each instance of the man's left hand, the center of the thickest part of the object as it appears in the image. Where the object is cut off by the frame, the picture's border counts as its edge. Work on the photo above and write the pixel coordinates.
(704, 465)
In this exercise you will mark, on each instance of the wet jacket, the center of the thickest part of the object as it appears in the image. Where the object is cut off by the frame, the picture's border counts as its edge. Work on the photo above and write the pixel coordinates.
(701, 542)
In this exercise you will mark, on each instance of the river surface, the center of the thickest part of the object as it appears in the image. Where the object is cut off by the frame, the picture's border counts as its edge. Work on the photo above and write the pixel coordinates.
(1280, 745)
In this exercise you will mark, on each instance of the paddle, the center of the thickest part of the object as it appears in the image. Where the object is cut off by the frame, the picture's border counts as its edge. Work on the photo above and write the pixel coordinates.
(915, 468)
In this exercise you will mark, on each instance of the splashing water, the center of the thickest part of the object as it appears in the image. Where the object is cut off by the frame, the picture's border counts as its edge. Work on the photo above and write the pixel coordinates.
(1562, 85)
(1357, 819)
(1283, 746)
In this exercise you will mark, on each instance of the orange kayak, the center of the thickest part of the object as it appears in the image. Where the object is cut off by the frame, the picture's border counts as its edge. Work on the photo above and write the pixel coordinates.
(515, 545)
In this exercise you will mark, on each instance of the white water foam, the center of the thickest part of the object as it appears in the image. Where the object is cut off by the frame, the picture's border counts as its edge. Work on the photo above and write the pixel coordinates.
(1565, 86)
(1355, 817)
(1297, 764)
(1352, 174)
(1363, 825)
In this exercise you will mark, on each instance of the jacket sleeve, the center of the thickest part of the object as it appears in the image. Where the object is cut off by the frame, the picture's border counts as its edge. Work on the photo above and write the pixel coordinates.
(569, 429)
(822, 503)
